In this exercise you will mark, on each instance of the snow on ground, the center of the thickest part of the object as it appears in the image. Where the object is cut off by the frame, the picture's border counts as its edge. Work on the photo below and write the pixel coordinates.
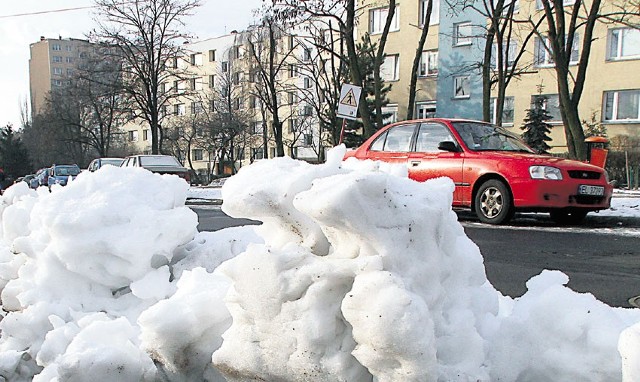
(356, 274)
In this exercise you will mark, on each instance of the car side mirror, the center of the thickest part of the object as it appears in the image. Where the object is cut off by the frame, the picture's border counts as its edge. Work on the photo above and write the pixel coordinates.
(448, 146)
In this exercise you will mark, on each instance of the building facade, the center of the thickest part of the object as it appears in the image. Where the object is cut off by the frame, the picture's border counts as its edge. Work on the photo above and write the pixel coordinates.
(450, 77)
(52, 62)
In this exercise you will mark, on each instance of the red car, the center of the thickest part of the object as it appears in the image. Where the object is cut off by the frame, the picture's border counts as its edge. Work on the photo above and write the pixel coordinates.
(494, 171)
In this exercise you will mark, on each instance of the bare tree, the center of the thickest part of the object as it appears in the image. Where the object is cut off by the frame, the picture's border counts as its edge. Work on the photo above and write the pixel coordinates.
(146, 34)
(565, 29)
(416, 60)
(344, 13)
(92, 102)
(270, 61)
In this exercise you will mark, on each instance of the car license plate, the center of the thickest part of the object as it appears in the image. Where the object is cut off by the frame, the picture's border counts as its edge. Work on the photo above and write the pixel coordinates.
(591, 190)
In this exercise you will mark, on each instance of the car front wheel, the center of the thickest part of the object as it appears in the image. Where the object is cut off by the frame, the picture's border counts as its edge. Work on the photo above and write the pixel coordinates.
(493, 203)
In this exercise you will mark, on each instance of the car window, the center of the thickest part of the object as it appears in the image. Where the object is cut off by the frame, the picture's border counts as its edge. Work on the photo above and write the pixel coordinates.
(430, 135)
(378, 144)
(399, 138)
(162, 160)
(485, 137)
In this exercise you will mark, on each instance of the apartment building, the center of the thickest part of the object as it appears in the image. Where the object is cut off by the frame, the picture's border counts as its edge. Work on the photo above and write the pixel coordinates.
(218, 83)
(450, 81)
(52, 61)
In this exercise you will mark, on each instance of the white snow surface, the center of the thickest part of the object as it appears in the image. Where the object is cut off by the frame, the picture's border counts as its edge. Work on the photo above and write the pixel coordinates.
(356, 274)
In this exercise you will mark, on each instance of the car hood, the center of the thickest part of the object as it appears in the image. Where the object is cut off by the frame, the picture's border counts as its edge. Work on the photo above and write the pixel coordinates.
(547, 160)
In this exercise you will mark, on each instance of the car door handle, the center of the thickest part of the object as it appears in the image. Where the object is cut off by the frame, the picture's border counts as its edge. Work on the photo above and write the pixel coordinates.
(415, 163)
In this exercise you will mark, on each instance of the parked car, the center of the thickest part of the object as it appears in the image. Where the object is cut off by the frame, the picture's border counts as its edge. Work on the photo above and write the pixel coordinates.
(162, 164)
(26, 179)
(60, 174)
(99, 162)
(40, 179)
(495, 173)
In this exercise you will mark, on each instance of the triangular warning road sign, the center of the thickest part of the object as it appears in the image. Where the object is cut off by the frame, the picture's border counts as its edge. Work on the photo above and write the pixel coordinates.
(349, 99)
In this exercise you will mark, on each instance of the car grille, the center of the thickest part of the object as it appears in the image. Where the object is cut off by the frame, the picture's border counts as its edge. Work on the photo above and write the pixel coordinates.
(578, 174)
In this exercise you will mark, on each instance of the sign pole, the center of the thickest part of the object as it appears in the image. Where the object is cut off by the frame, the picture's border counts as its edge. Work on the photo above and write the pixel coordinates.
(344, 124)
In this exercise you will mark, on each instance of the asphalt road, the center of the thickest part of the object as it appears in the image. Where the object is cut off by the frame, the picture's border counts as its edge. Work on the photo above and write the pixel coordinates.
(600, 256)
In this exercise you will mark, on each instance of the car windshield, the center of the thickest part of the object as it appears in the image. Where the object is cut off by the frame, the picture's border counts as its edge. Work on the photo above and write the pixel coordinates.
(485, 137)
(66, 171)
(159, 161)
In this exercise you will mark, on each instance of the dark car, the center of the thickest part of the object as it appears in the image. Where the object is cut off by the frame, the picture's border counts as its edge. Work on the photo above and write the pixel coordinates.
(161, 164)
(99, 162)
(61, 173)
(494, 172)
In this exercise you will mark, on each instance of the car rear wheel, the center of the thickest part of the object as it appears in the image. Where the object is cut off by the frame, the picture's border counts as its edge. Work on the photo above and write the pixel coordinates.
(493, 203)
(568, 216)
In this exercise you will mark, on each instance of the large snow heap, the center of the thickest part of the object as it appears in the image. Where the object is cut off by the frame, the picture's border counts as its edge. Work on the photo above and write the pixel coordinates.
(355, 274)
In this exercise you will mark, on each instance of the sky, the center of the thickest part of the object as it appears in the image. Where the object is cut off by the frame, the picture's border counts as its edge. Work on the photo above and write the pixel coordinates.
(356, 273)
(23, 22)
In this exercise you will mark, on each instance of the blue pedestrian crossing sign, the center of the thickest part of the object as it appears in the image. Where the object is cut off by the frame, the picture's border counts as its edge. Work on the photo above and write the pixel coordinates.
(348, 101)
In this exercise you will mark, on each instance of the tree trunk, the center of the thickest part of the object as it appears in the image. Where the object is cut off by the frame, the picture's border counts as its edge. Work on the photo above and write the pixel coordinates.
(416, 62)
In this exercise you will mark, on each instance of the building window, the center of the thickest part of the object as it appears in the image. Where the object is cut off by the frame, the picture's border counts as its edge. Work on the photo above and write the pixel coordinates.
(179, 109)
(257, 153)
(236, 78)
(212, 81)
(56, 47)
(176, 86)
(462, 34)
(622, 105)
(378, 18)
(306, 55)
(196, 107)
(509, 52)
(623, 43)
(68, 60)
(390, 68)
(252, 102)
(293, 70)
(307, 82)
(308, 140)
(197, 154)
(57, 58)
(57, 82)
(461, 87)
(550, 103)
(507, 110)
(564, 3)
(307, 111)
(542, 56)
(195, 59)
(390, 114)
(212, 55)
(145, 135)
(291, 97)
(237, 103)
(292, 42)
(68, 48)
(428, 64)
(225, 66)
(258, 128)
(133, 136)
(425, 110)
(57, 71)
(435, 12)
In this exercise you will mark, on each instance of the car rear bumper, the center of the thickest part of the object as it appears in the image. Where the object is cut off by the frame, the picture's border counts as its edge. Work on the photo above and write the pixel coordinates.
(547, 195)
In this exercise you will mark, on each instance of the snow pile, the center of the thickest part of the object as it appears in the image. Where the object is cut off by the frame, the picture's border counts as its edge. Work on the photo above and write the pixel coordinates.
(356, 274)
